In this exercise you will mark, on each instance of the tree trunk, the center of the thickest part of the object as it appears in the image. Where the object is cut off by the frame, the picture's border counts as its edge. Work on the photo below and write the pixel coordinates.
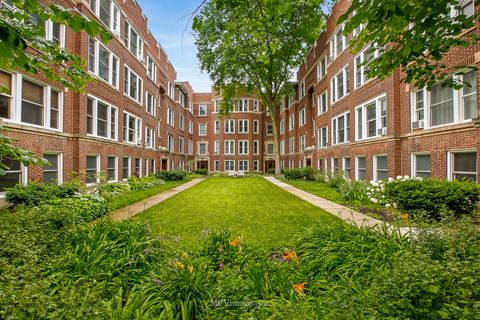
(276, 139)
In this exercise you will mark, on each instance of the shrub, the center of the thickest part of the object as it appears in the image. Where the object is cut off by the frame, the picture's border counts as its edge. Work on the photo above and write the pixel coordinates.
(113, 188)
(354, 191)
(173, 175)
(202, 172)
(433, 198)
(138, 184)
(81, 209)
(36, 193)
(336, 180)
(307, 173)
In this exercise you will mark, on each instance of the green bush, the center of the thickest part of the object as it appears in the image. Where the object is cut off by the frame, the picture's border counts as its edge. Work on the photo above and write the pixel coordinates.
(202, 172)
(354, 192)
(84, 208)
(307, 173)
(433, 198)
(113, 188)
(173, 175)
(36, 193)
(138, 184)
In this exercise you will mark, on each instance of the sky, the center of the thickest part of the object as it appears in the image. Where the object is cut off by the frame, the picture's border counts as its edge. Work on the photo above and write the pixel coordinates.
(167, 21)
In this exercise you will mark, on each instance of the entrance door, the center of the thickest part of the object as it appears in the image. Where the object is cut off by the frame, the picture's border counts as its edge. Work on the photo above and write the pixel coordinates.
(164, 165)
(308, 163)
(202, 165)
(269, 165)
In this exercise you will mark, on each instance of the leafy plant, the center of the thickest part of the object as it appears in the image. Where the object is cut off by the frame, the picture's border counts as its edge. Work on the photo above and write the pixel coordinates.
(36, 193)
(202, 172)
(174, 175)
(137, 184)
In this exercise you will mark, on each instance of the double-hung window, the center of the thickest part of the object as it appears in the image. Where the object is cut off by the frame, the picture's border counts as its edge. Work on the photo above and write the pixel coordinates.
(242, 165)
(380, 168)
(133, 41)
(361, 65)
(269, 129)
(202, 148)
(346, 168)
(170, 143)
(190, 147)
(256, 145)
(181, 145)
(361, 168)
(151, 103)
(181, 122)
(243, 147)
(282, 147)
(229, 126)
(421, 165)
(202, 129)
(216, 106)
(216, 147)
(462, 165)
(341, 129)
(202, 110)
(229, 147)
(16, 174)
(338, 43)
(255, 126)
(101, 119)
(242, 126)
(291, 122)
(302, 117)
(371, 119)
(92, 168)
(322, 103)
(133, 85)
(243, 105)
(339, 85)
(151, 69)
(150, 138)
(53, 172)
(465, 7)
(301, 90)
(302, 143)
(216, 127)
(102, 62)
(108, 12)
(270, 148)
(112, 169)
(190, 126)
(229, 165)
(132, 129)
(126, 168)
(291, 145)
(170, 117)
(322, 137)
(256, 106)
(322, 68)
(282, 126)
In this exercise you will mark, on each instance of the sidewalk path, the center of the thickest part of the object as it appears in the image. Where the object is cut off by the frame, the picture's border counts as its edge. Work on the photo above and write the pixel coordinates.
(346, 214)
(138, 207)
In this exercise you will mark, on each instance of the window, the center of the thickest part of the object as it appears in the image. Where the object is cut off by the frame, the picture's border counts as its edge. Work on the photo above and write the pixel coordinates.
(380, 168)
(322, 103)
(138, 167)
(151, 103)
(256, 144)
(108, 13)
(55, 32)
(361, 165)
(269, 129)
(202, 129)
(270, 148)
(282, 126)
(150, 138)
(421, 165)
(243, 105)
(371, 120)
(255, 126)
(216, 128)
(229, 165)
(242, 126)
(322, 68)
(102, 62)
(53, 172)
(92, 168)
(171, 90)
(16, 174)
(338, 43)
(444, 105)
(346, 168)
(190, 146)
(463, 165)
(216, 147)
(242, 165)
(151, 69)
(256, 106)
(361, 65)
(101, 119)
(465, 7)
(301, 143)
(132, 129)
(291, 145)
(301, 90)
(334, 166)
(202, 148)
(339, 85)
(40, 105)
(133, 85)
(170, 117)
(170, 144)
(229, 126)
(216, 165)
(320, 165)
(282, 147)
(301, 117)
(243, 147)
(181, 122)
(6, 95)
(291, 122)
(256, 165)
(202, 110)
(322, 137)
(341, 129)
(216, 106)
(181, 147)
(126, 169)
(229, 147)
(112, 169)
(133, 41)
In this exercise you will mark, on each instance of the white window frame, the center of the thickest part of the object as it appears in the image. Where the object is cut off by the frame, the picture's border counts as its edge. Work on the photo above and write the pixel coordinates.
(243, 147)
(202, 129)
(151, 69)
(322, 133)
(322, 103)
(302, 143)
(336, 135)
(229, 147)
(113, 79)
(59, 170)
(334, 53)
(170, 117)
(302, 119)
(202, 110)
(230, 167)
(362, 67)
(150, 103)
(115, 178)
(242, 128)
(243, 165)
(199, 148)
(256, 147)
(216, 147)
(149, 137)
(242, 105)
(450, 162)
(256, 126)
(137, 129)
(375, 169)
(114, 16)
(139, 53)
(109, 119)
(357, 167)
(229, 126)
(291, 145)
(126, 89)
(413, 163)
(291, 122)
(97, 169)
(334, 95)
(322, 68)
(379, 127)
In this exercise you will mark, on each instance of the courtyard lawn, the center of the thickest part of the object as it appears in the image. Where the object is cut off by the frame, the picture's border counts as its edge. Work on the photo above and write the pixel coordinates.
(128, 198)
(317, 188)
(262, 213)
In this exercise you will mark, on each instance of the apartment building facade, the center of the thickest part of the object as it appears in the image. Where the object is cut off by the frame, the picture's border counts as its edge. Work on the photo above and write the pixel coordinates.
(134, 120)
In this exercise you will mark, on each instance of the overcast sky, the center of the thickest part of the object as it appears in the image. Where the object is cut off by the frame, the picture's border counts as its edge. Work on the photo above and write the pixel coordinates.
(167, 21)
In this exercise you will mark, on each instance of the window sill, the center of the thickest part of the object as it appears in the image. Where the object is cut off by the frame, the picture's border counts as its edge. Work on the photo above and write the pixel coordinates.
(136, 101)
(104, 81)
(332, 104)
(24, 125)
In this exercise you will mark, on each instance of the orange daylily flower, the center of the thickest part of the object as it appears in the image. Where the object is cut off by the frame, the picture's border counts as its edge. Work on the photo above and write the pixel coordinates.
(290, 256)
(299, 288)
(405, 216)
(235, 243)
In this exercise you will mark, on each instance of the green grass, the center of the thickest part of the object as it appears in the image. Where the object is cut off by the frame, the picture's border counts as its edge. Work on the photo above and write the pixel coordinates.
(262, 213)
(317, 188)
(135, 196)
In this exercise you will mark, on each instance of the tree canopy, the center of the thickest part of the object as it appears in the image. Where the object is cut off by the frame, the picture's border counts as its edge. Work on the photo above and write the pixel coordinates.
(414, 35)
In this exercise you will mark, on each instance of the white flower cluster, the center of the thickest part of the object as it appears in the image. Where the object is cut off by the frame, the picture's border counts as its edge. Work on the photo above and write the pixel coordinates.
(376, 190)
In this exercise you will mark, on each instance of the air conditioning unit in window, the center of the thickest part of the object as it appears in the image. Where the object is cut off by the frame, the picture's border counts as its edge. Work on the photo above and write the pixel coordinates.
(418, 124)
(382, 131)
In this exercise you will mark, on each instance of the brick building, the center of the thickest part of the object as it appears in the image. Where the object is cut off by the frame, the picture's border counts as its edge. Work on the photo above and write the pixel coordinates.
(138, 118)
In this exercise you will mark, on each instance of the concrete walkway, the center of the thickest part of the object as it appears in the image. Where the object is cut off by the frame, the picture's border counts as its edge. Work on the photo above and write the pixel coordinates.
(346, 214)
(138, 207)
